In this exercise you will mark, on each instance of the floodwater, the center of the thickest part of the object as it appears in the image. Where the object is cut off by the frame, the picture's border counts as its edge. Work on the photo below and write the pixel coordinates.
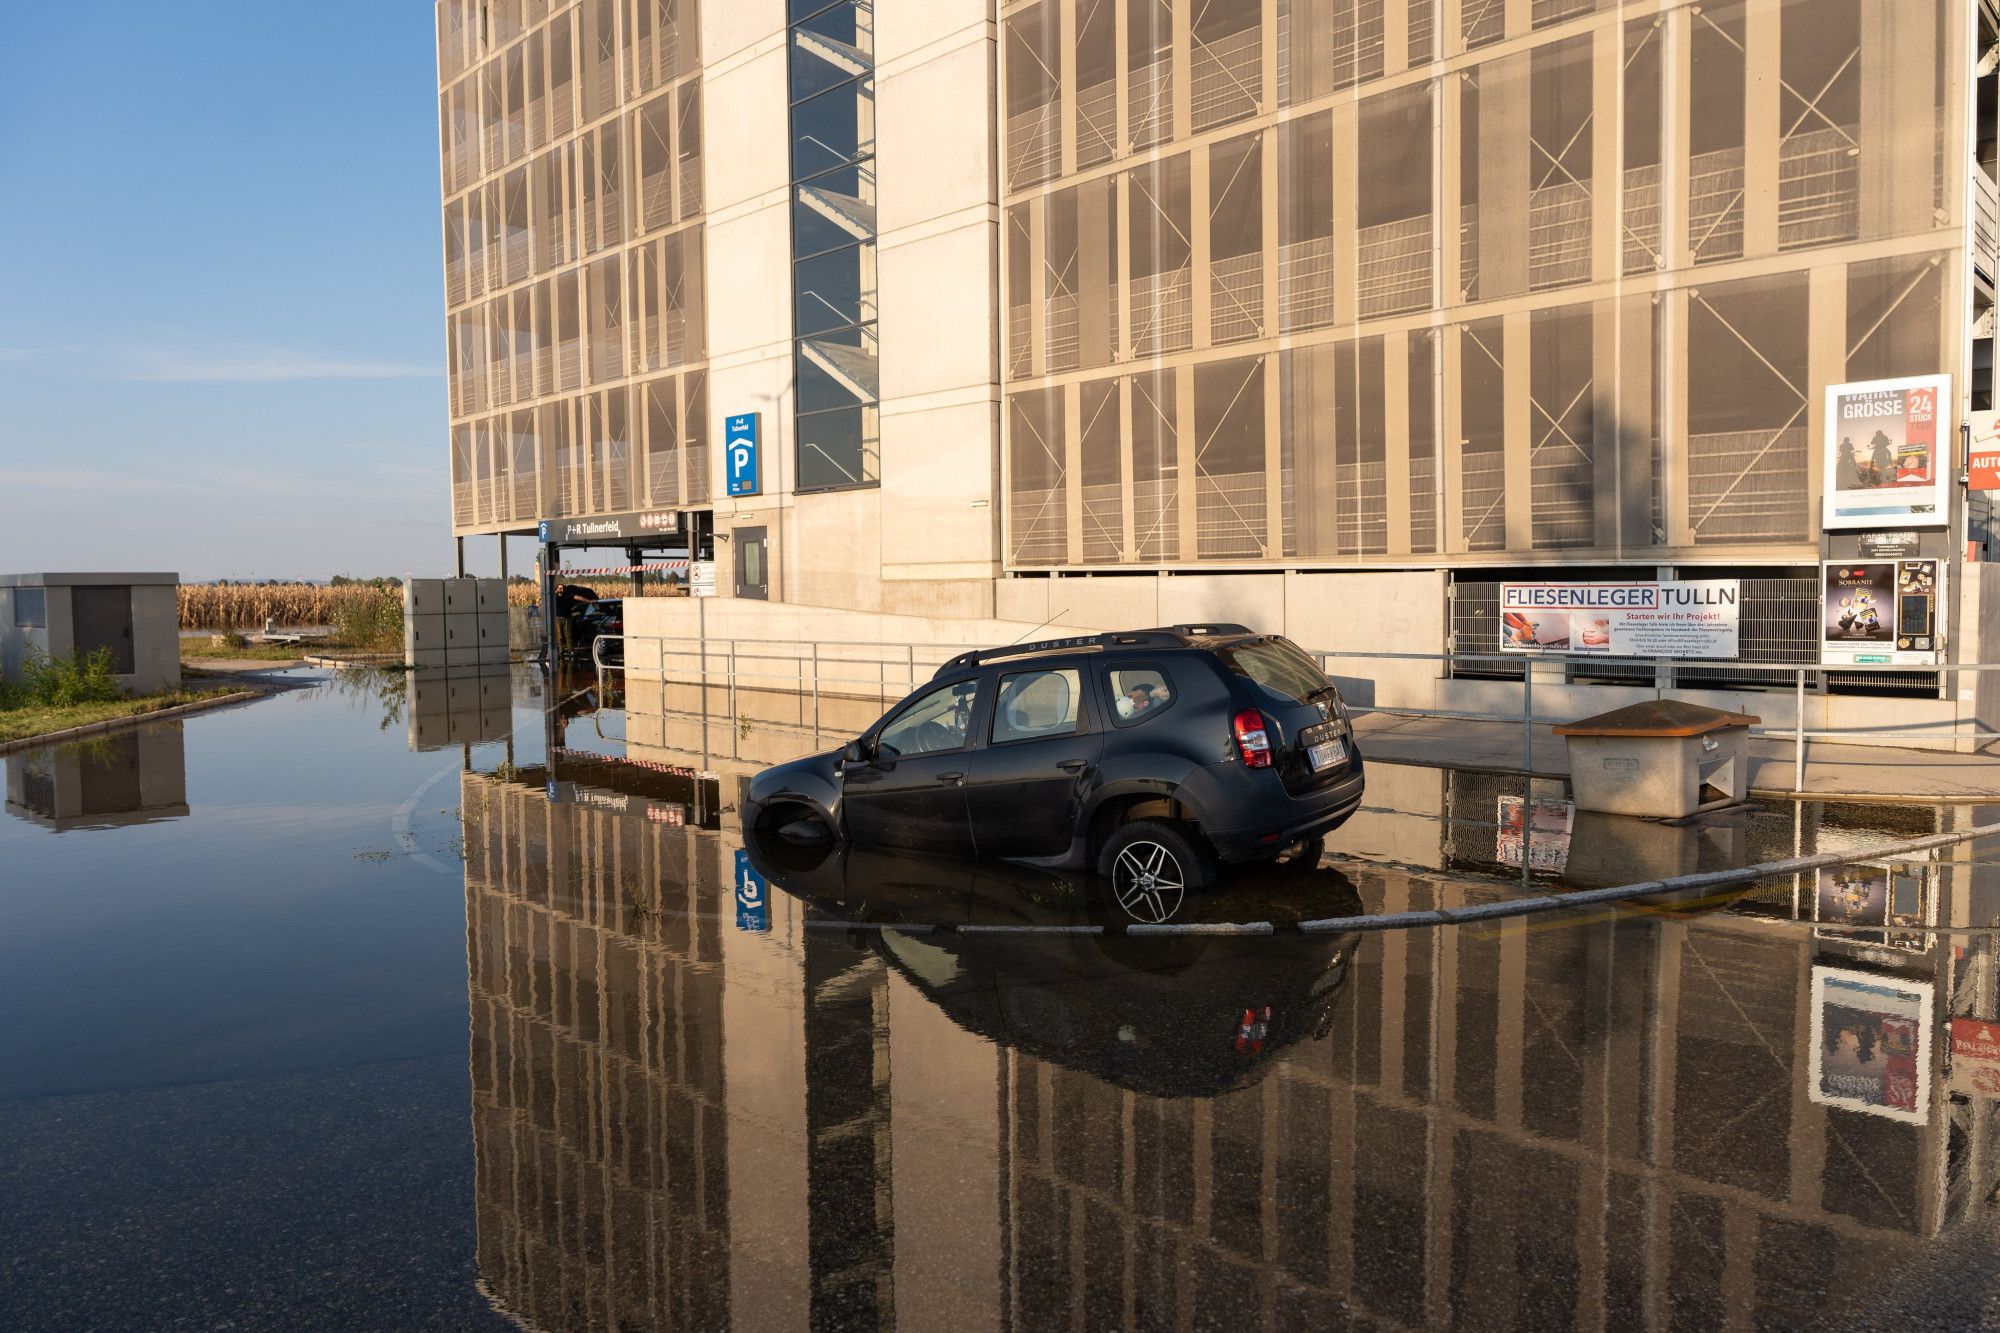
(396, 1004)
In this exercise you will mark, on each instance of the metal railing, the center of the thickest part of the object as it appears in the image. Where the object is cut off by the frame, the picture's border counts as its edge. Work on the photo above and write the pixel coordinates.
(1779, 673)
(885, 672)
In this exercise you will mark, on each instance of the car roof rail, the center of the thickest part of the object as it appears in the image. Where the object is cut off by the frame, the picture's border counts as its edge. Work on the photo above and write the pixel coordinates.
(1213, 631)
(1143, 638)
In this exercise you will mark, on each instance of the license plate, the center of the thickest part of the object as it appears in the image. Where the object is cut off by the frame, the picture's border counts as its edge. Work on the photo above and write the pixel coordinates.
(1330, 754)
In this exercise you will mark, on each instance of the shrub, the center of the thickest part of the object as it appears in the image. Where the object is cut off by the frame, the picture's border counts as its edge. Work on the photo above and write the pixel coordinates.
(373, 620)
(60, 681)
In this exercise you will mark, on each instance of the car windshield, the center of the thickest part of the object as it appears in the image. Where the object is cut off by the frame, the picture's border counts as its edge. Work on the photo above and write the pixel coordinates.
(1278, 666)
(936, 721)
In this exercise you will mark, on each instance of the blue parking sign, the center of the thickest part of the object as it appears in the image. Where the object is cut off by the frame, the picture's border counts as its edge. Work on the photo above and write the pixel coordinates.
(753, 896)
(739, 453)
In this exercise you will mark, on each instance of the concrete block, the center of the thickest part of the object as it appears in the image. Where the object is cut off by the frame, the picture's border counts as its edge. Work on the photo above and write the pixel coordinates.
(1255, 600)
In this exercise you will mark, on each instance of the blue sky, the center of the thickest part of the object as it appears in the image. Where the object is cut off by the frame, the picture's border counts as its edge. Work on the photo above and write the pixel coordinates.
(221, 321)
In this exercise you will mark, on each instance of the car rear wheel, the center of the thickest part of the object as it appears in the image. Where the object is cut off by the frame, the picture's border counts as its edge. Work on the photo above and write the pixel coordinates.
(1152, 865)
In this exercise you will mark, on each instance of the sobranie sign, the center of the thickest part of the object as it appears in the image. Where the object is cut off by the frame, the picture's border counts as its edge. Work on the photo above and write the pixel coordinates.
(611, 529)
(1663, 619)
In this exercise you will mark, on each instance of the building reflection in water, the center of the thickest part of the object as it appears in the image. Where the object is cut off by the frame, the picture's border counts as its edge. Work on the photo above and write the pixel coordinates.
(126, 777)
(1595, 1121)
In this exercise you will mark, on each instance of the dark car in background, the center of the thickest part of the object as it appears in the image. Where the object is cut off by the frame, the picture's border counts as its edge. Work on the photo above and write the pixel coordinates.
(1146, 755)
(592, 620)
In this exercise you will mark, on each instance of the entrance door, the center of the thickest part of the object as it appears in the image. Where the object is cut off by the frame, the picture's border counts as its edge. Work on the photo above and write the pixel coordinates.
(103, 619)
(753, 575)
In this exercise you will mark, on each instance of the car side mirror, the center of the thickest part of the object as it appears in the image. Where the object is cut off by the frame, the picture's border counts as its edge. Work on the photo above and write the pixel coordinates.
(856, 752)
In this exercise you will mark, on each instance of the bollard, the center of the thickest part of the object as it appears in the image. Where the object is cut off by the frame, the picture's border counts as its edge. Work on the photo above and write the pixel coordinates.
(1528, 717)
(1799, 732)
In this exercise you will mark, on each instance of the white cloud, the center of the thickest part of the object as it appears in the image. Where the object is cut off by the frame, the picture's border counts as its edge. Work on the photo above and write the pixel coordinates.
(182, 360)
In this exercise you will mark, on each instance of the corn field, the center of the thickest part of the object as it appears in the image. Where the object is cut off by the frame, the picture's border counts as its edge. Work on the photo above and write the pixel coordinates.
(210, 606)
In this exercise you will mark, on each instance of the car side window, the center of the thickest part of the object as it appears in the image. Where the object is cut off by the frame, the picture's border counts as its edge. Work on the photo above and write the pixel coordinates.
(1138, 693)
(1033, 704)
(938, 720)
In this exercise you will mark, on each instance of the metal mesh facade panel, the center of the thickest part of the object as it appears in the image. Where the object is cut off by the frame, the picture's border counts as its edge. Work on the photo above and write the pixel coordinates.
(1697, 193)
(570, 167)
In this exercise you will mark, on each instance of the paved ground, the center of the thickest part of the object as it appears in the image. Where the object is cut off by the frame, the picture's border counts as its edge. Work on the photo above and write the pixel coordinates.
(1871, 771)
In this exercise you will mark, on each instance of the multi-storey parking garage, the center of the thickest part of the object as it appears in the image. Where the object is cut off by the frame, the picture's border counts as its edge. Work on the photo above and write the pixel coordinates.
(1375, 305)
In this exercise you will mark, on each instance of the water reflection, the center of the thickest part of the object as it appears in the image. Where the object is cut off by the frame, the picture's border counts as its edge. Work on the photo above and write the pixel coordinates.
(1040, 962)
(1615, 1119)
(128, 777)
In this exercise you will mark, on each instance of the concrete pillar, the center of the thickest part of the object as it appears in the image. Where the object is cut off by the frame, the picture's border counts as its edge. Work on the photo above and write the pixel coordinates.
(1504, 154)
(1185, 447)
(1761, 149)
(1897, 124)
(1517, 412)
(1826, 363)
(1396, 437)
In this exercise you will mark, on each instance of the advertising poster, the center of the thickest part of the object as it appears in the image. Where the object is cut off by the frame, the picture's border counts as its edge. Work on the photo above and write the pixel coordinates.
(1871, 1044)
(1539, 833)
(1889, 900)
(1669, 619)
(1975, 1057)
(1888, 453)
(1881, 611)
(1982, 452)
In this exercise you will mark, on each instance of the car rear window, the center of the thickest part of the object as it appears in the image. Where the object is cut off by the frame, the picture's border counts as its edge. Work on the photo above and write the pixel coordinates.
(1138, 694)
(1279, 666)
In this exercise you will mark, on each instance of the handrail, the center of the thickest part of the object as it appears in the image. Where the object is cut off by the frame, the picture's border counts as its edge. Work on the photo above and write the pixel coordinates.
(762, 656)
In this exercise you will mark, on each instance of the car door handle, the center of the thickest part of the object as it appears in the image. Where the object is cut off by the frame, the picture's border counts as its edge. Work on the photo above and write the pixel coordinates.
(1073, 765)
(952, 779)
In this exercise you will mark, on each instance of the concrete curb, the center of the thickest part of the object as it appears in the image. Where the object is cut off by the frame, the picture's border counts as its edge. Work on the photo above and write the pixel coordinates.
(126, 723)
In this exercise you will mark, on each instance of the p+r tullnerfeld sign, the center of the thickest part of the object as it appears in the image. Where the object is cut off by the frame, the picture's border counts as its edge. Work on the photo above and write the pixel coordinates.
(739, 453)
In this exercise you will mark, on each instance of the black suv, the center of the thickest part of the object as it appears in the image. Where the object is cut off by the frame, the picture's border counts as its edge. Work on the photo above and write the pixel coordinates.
(1145, 755)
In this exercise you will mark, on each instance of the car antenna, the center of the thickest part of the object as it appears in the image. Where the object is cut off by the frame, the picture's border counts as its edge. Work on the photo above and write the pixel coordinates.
(1039, 628)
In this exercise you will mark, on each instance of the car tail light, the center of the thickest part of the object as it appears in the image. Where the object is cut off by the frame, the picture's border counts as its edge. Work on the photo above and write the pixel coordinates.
(1251, 741)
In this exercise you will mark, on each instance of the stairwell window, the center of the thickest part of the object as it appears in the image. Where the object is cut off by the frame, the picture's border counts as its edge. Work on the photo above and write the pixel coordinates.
(832, 65)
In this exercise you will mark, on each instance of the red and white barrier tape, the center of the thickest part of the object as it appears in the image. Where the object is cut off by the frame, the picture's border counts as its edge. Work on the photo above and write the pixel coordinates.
(648, 566)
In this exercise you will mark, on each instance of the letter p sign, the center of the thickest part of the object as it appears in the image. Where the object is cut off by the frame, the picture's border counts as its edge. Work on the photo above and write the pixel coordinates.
(739, 453)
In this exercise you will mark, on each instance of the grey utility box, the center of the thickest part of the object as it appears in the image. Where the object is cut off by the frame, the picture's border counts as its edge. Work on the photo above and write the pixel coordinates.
(1662, 759)
(455, 622)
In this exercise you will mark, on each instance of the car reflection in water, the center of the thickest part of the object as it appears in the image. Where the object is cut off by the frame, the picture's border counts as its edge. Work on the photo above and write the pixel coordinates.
(1042, 961)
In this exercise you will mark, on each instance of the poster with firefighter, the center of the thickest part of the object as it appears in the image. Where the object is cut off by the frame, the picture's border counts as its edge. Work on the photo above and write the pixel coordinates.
(1888, 453)
(1871, 1044)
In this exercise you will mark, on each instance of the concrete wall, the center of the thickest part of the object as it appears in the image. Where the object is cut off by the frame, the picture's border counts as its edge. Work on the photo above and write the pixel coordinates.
(1978, 638)
(926, 539)
(156, 639)
(746, 181)
(938, 257)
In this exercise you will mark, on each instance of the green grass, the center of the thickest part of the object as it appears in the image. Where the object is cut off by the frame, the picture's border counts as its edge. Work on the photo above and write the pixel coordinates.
(194, 650)
(38, 719)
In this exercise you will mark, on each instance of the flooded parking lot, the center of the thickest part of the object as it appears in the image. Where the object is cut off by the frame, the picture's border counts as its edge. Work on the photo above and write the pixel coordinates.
(447, 1003)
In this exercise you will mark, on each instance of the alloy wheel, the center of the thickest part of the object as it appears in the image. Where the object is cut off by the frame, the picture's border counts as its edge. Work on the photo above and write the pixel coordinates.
(1149, 881)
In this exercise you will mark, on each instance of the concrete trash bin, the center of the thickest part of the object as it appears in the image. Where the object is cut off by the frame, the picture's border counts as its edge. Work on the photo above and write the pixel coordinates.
(1662, 759)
